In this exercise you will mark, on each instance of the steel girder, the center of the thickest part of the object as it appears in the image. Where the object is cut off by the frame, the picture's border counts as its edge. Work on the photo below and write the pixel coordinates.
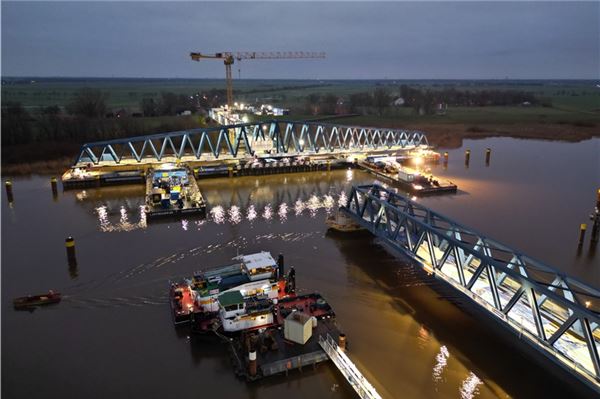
(286, 137)
(558, 314)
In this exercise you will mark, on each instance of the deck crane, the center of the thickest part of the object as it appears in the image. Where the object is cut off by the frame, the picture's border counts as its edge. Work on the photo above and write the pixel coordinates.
(229, 58)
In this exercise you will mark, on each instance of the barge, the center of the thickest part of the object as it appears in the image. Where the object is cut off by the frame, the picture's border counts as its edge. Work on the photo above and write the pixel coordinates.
(253, 307)
(84, 176)
(414, 181)
(172, 190)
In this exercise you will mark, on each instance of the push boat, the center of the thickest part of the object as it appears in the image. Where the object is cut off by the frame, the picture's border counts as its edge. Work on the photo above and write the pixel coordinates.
(31, 301)
(182, 300)
(247, 314)
(253, 276)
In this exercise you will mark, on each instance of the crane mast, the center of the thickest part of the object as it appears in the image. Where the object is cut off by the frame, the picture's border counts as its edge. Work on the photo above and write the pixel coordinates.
(230, 57)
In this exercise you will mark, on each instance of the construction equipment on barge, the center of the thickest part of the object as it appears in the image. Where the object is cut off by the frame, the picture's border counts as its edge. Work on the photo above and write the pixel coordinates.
(172, 190)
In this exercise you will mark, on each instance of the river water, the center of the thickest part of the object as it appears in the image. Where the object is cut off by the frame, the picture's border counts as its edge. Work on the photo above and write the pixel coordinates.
(112, 335)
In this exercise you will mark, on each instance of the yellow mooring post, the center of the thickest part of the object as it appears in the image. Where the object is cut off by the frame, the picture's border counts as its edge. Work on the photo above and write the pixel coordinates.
(9, 191)
(70, 245)
(582, 230)
(54, 185)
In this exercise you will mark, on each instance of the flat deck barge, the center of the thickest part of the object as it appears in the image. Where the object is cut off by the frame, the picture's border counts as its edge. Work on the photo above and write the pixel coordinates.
(274, 349)
(415, 183)
(172, 191)
(82, 177)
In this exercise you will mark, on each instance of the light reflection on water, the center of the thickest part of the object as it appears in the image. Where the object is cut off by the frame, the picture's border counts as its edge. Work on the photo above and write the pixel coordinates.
(470, 386)
(234, 214)
(124, 224)
(282, 212)
(218, 214)
(268, 212)
(251, 213)
(441, 360)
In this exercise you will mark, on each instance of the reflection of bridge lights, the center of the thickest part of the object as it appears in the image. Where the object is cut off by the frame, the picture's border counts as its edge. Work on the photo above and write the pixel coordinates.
(102, 217)
(441, 360)
(282, 212)
(81, 195)
(343, 199)
(469, 389)
(313, 204)
(184, 224)
(142, 223)
(349, 175)
(124, 218)
(298, 207)
(218, 214)
(328, 202)
(235, 215)
(268, 212)
(251, 213)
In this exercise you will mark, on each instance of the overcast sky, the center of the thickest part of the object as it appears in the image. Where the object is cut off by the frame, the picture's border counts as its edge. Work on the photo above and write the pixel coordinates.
(363, 40)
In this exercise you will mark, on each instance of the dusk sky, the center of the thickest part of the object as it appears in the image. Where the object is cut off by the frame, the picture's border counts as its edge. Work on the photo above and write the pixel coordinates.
(400, 40)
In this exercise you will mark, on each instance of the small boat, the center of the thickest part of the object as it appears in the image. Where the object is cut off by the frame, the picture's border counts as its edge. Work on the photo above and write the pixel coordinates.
(31, 301)
(182, 300)
(342, 223)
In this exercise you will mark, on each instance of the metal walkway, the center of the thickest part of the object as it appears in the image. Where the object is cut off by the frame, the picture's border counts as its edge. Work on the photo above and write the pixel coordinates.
(554, 313)
(360, 384)
(271, 138)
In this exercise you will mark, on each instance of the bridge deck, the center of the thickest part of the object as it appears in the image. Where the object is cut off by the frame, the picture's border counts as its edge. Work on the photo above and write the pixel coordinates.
(363, 388)
(556, 314)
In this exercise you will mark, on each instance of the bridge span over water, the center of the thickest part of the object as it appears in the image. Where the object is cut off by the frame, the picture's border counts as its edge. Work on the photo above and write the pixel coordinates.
(269, 138)
(555, 314)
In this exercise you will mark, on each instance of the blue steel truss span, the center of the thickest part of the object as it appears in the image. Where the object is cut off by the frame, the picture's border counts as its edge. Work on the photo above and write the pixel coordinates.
(556, 314)
(278, 137)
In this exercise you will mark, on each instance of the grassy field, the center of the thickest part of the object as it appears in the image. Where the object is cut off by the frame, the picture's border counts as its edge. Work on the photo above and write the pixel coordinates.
(577, 96)
(574, 114)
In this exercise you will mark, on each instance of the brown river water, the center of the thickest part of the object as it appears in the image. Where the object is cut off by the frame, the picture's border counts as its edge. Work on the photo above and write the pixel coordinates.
(112, 335)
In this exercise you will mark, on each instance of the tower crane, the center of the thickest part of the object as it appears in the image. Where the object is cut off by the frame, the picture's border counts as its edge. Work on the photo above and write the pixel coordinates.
(229, 58)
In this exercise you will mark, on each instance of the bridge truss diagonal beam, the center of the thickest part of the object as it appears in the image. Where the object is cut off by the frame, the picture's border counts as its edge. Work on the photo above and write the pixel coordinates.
(240, 141)
(557, 314)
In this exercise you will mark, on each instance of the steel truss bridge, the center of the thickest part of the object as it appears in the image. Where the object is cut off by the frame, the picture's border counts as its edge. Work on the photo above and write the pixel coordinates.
(275, 138)
(554, 313)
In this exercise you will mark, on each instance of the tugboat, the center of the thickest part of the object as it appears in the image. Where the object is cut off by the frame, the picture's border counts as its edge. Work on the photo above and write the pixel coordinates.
(182, 301)
(31, 301)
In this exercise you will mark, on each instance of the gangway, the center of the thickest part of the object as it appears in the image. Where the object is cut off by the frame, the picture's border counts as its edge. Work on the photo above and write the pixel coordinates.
(363, 388)
(553, 313)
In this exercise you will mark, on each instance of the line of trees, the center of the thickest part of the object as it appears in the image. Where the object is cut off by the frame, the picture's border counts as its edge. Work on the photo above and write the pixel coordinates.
(425, 101)
(86, 118)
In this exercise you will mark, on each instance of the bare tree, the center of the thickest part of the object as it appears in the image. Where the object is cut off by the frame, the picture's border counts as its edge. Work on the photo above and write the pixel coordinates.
(90, 103)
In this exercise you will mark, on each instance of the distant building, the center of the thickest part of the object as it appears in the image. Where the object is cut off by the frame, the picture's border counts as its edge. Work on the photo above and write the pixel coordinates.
(399, 102)
(185, 113)
(121, 113)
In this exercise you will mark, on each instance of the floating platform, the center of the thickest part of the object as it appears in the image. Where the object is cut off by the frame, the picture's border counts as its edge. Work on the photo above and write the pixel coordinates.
(262, 167)
(172, 191)
(425, 185)
(277, 355)
(83, 177)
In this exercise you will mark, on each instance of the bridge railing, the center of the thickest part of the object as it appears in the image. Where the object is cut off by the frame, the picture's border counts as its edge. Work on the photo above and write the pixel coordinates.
(242, 140)
(557, 314)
